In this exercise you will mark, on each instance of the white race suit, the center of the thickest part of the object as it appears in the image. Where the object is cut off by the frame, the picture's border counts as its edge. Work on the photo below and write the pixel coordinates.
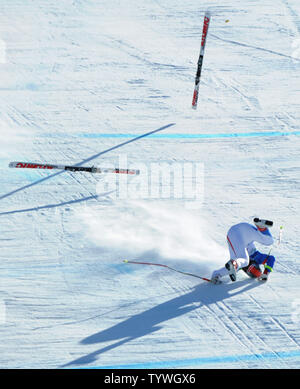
(240, 239)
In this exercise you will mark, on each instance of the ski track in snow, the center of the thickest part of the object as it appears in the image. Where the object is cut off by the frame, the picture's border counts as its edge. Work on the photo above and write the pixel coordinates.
(75, 89)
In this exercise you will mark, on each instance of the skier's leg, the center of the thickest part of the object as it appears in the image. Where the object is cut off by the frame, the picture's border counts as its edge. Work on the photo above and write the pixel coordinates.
(264, 259)
(232, 245)
(239, 257)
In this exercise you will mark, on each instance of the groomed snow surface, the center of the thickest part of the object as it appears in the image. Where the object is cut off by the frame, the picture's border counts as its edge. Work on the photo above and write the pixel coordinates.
(79, 77)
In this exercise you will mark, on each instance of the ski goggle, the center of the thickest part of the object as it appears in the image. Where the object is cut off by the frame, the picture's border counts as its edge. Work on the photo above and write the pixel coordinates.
(262, 223)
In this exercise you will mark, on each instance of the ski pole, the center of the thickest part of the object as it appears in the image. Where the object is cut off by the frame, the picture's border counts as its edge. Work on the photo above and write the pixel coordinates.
(168, 267)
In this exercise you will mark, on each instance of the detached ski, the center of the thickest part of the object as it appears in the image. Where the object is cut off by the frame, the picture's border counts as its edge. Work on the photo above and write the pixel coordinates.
(168, 267)
(32, 165)
(207, 18)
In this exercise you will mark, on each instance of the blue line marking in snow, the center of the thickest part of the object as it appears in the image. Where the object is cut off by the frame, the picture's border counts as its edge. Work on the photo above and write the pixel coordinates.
(184, 136)
(30, 176)
(205, 361)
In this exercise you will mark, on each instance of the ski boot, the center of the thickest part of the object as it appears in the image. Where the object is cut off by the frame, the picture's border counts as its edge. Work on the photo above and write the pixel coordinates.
(252, 270)
(231, 266)
(264, 276)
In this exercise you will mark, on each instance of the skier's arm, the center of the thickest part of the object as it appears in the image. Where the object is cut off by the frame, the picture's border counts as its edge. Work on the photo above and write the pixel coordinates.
(251, 248)
(264, 237)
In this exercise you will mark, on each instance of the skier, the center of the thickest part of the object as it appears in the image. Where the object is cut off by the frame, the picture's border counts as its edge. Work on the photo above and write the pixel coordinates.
(243, 253)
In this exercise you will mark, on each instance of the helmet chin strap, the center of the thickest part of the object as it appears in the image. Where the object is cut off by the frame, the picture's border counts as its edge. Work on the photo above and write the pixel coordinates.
(260, 228)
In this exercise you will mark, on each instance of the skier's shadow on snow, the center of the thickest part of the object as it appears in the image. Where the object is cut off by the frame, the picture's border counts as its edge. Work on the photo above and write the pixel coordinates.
(152, 319)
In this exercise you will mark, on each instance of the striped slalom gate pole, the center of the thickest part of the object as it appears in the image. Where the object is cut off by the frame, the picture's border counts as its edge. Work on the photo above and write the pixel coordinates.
(279, 241)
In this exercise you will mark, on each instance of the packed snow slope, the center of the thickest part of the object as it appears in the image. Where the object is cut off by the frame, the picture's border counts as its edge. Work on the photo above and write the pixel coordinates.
(79, 77)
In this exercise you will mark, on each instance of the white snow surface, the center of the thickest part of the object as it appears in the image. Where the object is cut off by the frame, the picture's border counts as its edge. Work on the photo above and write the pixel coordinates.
(78, 77)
